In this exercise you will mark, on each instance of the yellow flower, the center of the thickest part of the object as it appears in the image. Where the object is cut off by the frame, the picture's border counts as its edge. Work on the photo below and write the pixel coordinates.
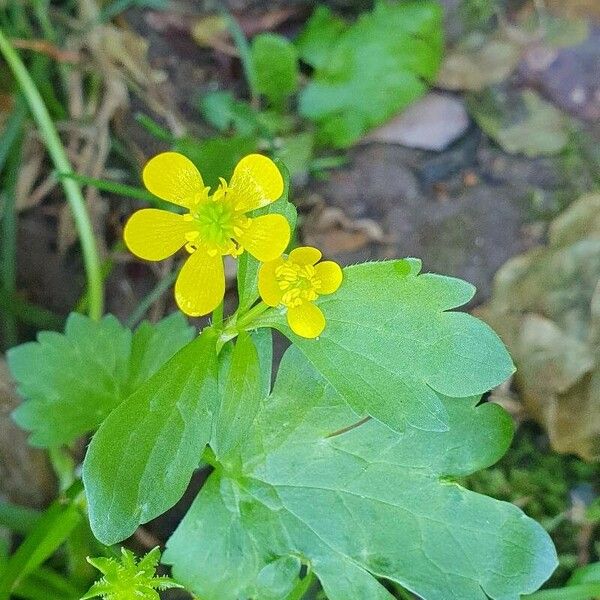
(296, 282)
(214, 226)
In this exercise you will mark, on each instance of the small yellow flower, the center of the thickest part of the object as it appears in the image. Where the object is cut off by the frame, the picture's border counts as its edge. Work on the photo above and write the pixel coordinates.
(296, 282)
(214, 226)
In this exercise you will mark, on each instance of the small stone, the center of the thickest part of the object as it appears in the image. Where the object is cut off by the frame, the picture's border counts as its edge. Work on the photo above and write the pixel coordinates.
(432, 123)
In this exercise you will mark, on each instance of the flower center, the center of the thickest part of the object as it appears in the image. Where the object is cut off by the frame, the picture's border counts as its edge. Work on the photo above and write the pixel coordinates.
(298, 283)
(214, 225)
(214, 221)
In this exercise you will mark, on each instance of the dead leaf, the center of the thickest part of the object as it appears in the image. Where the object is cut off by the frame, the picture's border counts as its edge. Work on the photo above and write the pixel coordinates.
(25, 475)
(546, 307)
(478, 62)
(330, 229)
(432, 123)
(575, 9)
(521, 122)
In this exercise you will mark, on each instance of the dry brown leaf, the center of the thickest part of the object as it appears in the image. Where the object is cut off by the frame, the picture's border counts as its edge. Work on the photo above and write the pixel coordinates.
(575, 9)
(25, 475)
(546, 306)
(479, 62)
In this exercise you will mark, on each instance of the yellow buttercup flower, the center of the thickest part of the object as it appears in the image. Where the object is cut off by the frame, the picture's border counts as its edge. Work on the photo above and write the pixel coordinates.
(296, 282)
(214, 226)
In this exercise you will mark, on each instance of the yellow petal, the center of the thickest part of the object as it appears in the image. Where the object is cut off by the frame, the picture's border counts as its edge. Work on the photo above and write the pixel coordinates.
(200, 286)
(268, 288)
(256, 182)
(174, 178)
(305, 255)
(306, 320)
(331, 276)
(266, 237)
(154, 234)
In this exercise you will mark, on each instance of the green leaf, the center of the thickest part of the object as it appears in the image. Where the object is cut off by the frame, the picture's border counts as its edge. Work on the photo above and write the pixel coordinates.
(275, 63)
(129, 578)
(48, 534)
(223, 112)
(247, 276)
(81, 376)
(143, 456)
(216, 157)
(372, 70)
(241, 397)
(319, 37)
(521, 123)
(391, 347)
(366, 504)
(276, 580)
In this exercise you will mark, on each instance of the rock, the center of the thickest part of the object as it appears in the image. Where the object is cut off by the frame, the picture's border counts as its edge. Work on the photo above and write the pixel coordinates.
(432, 123)
(571, 79)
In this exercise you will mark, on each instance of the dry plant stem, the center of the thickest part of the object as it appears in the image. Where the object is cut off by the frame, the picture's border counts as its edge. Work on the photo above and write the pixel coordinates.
(61, 162)
(349, 427)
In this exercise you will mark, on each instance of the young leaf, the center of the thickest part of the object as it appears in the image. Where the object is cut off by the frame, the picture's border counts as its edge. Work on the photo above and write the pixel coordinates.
(130, 578)
(143, 456)
(223, 112)
(319, 37)
(390, 347)
(247, 276)
(376, 67)
(361, 505)
(81, 376)
(275, 64)
(240, 399)
(216, 157)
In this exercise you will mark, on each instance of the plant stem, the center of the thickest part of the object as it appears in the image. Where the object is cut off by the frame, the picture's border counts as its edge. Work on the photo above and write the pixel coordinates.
(61, 162)
(217, 315)
(248, 317)
(19, 519)
(349, 427)
(8, 237)
(142, 308)
(245, 56)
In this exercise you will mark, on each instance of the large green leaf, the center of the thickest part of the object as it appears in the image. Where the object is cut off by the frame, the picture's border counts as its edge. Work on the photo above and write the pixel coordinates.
(71, 382)
(391, 346)
(366, 504)
(143, 456)
(370, 71)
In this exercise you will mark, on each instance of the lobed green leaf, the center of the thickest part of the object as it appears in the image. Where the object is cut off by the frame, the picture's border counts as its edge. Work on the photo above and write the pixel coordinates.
(72, 381)
(358, 506)
(367, 72)
(391, 346)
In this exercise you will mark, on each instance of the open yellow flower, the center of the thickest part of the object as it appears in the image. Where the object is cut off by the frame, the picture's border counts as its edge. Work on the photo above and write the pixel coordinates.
(296, 282)
(214, 226)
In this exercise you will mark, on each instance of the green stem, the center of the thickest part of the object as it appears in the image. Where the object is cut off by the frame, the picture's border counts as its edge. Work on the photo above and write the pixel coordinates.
(245, 56)
(236, 324)
(217, 315)
(114, 187)
(8, 237)
(142, 308)
(30, 314)
(19, 519)
(248, 317)
(61, 162)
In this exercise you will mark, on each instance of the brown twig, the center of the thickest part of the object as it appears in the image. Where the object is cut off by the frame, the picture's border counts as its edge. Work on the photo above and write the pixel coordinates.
(46, 47)
(349, 427)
